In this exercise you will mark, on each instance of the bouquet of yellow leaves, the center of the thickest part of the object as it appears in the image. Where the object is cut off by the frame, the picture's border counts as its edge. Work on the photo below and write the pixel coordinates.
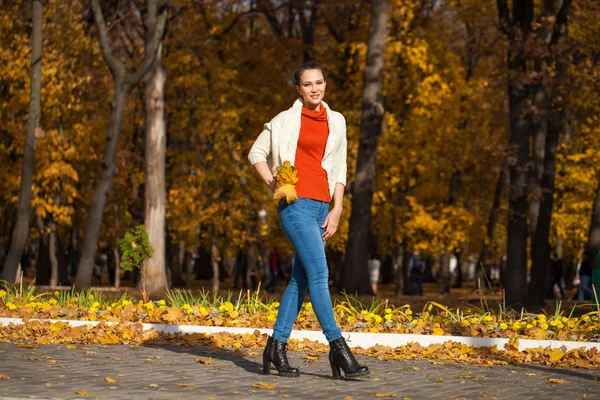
(284, 182)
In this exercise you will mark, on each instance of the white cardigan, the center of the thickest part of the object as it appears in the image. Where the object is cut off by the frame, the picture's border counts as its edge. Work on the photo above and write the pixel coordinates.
(279, 139)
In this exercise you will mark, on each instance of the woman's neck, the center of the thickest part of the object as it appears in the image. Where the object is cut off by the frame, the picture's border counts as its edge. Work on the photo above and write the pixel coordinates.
(313, 108)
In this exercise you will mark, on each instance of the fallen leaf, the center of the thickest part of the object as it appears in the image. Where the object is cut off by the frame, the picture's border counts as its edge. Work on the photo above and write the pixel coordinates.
(109, 379)
(205, 361)
(263, 385)
(82, 392)
(240, 353)
(530, 374)
(416, 368)
(27, 346)
(475, 378)
(556, 355)
(555, 380)
(172, 314)
(384, 394)
(186, 385)
(4, 377)
(153, 385)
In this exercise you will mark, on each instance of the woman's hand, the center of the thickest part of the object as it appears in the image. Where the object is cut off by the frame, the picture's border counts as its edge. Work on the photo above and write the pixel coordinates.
(331, 222)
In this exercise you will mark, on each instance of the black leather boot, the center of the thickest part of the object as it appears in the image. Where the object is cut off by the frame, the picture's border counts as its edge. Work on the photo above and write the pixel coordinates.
(275, 352)
(340, 356)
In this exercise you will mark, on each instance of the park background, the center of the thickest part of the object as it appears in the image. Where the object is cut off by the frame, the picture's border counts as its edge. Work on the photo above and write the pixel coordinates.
(472, 134)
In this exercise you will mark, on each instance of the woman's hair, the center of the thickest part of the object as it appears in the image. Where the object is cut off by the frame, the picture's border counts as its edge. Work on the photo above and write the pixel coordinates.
(306, 66)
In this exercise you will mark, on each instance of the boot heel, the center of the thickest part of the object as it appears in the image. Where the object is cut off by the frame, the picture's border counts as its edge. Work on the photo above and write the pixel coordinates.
(335, 370)
(266, 365)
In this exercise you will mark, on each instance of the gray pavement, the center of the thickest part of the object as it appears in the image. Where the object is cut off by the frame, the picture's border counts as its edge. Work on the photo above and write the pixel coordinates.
(172, 372)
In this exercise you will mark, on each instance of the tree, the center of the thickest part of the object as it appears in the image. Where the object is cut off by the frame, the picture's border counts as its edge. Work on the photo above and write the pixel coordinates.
(21, 229)
(355, 274)
(124, 82)
(593, 244)
(155, 195)
(555, 125)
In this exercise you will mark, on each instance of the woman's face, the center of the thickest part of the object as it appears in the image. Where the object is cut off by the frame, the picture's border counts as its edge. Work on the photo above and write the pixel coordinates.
(312, 88)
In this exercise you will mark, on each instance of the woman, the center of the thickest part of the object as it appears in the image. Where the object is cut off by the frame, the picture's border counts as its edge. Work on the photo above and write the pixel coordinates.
(311, 137)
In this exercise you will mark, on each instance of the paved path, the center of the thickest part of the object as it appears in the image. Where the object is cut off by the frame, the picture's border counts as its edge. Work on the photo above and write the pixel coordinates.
(171, 372)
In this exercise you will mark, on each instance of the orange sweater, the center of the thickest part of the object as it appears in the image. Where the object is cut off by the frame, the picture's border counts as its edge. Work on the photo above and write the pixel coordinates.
(312, 178)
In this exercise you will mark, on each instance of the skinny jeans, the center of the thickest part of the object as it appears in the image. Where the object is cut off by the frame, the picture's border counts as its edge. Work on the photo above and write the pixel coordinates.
(301, 221)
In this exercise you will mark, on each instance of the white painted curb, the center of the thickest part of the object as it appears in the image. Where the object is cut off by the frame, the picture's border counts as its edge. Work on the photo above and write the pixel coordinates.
(356, 339)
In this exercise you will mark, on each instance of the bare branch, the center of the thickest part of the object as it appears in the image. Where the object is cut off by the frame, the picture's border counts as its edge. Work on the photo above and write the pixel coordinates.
(561, 23)
(115, 67)
(154, 36)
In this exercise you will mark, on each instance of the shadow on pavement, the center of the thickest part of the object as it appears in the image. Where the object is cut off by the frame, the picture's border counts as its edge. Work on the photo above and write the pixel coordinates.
(239, 360)
(561, 371)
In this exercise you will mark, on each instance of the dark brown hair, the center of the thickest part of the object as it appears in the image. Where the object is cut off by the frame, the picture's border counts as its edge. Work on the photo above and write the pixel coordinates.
(306, 66)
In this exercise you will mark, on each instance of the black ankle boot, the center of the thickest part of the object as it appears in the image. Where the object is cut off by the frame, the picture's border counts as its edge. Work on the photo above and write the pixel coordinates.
(340, 356)
(275, 352)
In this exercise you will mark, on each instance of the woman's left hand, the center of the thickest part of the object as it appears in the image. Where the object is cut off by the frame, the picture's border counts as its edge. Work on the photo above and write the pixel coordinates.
(331, 223)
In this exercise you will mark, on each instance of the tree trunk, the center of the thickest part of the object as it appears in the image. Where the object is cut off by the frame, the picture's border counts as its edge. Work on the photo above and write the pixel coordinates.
(21, 229)
(103, 188)
(540, 273)
(593, 244)
(124, 84)
(517, 28)
(355, 277)
(493, 218)
(214, 262)
(155, 192)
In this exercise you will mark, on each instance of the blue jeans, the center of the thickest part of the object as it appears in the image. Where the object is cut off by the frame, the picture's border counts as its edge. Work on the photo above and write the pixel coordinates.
(301, 221)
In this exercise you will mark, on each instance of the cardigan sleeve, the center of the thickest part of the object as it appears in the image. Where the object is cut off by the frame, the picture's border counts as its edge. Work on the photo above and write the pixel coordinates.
(341, 178)
(262, 146)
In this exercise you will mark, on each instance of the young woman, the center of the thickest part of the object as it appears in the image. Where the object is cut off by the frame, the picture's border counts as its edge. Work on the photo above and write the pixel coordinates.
(312, 137)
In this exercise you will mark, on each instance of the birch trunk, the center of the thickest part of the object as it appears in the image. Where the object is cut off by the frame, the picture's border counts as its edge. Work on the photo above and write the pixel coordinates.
(155, 191)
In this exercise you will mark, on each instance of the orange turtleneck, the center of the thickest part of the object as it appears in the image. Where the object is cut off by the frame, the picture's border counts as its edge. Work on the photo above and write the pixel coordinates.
(312, 178)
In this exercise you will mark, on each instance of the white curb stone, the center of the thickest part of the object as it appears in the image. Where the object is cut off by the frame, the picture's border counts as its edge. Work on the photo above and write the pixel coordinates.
(356, 339)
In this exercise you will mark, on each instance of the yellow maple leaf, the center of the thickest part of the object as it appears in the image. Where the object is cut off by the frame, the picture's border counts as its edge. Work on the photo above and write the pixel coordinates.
(204, 361)
(263, 385)
(172, 314)
(286, 174)
(555, 380)
(287, 192)
(285, 180)
(384, 394)
(556, 355)
(82, 392)
(109, 379)
(3, 377)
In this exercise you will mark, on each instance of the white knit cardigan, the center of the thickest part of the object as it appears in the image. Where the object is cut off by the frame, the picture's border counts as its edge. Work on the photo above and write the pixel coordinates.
(279, 139)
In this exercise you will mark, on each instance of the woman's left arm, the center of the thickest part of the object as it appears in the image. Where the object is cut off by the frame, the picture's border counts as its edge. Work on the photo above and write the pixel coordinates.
(333, 218)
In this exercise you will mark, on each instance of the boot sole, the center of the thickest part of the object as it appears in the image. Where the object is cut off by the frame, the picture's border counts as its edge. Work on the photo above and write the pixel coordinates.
(357, 374)
(288, 375)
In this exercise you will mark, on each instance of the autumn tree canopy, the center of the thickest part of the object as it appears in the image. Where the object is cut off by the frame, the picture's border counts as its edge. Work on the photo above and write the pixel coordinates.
(443, 156)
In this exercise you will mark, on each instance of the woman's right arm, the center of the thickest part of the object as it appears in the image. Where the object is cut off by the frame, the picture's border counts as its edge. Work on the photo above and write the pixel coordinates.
(259, 153)
(265, 173)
